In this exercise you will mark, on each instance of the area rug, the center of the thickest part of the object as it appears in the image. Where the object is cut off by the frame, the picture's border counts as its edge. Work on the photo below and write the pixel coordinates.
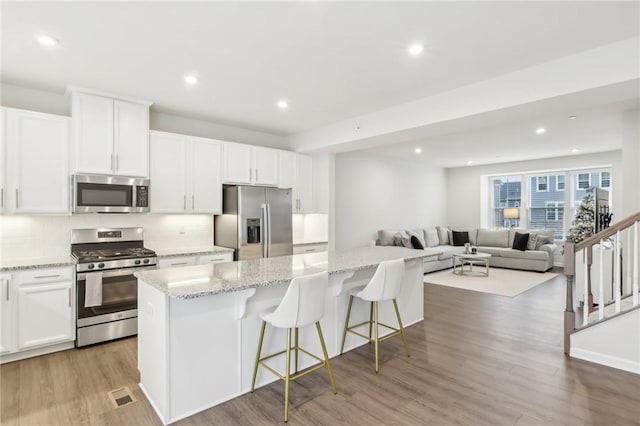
(503, 282)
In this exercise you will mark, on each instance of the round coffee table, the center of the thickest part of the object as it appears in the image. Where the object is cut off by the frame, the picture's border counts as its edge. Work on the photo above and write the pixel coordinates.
(460, 260)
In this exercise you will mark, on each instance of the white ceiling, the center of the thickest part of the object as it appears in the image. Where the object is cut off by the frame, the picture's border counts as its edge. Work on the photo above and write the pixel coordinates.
(331, 61)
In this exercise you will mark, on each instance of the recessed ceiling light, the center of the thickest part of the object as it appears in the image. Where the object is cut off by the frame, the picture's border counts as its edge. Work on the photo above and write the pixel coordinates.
(191, 79)
(540, 130)
(418, 150)
(46, 40)
(283, 104)
(415, 49)
(575, 150)
(572, 117)
(470, 162)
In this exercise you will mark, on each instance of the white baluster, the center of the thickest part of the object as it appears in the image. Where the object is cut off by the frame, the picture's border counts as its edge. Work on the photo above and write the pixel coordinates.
(601, 282)
(635, 265)
(616, 271)
(585, 296)
(629, 265)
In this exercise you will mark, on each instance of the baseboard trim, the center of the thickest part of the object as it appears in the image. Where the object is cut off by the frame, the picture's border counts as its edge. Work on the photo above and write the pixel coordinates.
(608, 360)
(30, 353)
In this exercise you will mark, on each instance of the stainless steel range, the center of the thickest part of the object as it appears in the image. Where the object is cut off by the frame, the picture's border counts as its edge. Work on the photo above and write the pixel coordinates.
(106, 290)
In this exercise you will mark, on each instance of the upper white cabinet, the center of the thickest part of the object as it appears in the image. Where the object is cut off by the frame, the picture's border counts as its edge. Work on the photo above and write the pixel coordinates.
(111, 136)
(35, 163)
(296, 172)
(185, 174)
(252, 165)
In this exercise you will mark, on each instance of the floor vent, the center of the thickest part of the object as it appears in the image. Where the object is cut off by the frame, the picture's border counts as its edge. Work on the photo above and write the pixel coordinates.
(121, 397)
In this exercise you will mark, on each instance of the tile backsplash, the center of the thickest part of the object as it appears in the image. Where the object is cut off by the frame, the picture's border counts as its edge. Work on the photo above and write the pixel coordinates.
(38, 236)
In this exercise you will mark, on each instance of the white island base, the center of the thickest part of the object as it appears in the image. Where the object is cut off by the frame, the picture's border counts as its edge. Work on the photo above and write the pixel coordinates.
(195, 353)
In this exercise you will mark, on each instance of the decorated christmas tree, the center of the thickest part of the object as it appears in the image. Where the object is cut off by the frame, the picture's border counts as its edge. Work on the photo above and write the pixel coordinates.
(584, 223)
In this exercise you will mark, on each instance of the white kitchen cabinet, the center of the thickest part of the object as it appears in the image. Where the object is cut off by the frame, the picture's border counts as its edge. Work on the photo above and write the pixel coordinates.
(287, 169)
(185, 174)
(3, 158)
(111, 136)
(205, 259)
(251, 165)
(7, 315)
(303, 189)
(309, 248)
(177, 261)
(45, 307)
(36, 162)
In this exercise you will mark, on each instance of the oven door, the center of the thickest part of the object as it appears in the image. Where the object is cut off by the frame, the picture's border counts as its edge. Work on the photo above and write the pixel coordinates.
(119, 297)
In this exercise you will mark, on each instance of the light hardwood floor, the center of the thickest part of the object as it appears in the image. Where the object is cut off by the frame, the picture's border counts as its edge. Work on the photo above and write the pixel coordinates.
(477, 359)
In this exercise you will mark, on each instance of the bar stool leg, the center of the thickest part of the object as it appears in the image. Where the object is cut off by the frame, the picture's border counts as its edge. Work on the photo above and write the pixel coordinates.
(375, 318)
(346, 324)
(296, 346)
(287, 377)
(326, 358)
(402, 333)
(370, 320)
(255, 367)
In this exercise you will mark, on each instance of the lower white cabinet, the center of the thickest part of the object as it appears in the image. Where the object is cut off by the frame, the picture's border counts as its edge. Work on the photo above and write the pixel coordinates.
(45, 314)
(177, 261)
(309, 248)
(205, 259)
(7, 326)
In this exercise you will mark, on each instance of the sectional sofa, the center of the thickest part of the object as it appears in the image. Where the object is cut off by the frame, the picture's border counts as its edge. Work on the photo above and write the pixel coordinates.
(497, 242)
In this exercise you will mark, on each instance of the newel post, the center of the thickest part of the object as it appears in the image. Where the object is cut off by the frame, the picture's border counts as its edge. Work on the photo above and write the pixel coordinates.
(569, 313)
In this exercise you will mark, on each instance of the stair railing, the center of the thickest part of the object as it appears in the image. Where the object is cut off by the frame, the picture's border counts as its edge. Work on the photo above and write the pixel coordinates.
(625, 234)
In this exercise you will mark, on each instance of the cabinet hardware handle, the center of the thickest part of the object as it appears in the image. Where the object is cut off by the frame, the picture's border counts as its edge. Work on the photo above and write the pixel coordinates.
(117, 162)
(17, 203)
(179, 263)
(250, 174)
(46, 276)
(184, 202)
(69, 296)
(1, 198)
(7, 281)
(193, 202)
(310, 250)
(216, 260)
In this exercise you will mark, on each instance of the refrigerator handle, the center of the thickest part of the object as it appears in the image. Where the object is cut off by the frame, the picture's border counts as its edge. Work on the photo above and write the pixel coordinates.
(264, 231)
(268, 230)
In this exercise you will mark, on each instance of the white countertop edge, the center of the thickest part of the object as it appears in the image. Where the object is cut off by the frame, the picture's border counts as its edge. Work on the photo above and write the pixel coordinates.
(7, 265)
(190, 251)
(306, 243)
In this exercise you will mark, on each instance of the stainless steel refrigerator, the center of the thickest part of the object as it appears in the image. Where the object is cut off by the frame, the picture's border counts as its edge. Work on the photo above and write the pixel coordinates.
(255, 221)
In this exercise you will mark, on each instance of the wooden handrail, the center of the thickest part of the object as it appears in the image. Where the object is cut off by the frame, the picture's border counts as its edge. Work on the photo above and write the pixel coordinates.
(606, 233)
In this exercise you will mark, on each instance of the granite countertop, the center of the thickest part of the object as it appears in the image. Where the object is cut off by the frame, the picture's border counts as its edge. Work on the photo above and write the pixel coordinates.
(35, 262)
(186, 251)
(206, 280)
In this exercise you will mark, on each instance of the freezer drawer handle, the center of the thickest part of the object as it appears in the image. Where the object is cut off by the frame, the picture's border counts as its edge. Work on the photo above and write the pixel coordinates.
(46, 276)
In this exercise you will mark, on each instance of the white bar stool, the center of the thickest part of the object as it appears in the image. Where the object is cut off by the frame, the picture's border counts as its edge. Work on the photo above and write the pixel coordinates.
(302, 304)
(385, 284)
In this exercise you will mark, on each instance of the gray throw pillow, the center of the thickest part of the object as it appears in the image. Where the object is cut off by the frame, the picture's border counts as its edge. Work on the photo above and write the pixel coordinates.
(533, 240)
(431, 235)
(443, 235)
(402, 239)
(385, 237)
(542, 240)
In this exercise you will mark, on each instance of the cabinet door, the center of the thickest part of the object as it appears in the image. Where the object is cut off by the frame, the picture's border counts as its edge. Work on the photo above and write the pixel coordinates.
(177, 261)
(93, 134)
(206, 181)
(287, 168)
(265, 163)
(206, 259)
(7, 327)
(236, 167)
(304, 184)
(168, 173)
(3, 158)
(37, 162)
(131, 139)
(44, 314)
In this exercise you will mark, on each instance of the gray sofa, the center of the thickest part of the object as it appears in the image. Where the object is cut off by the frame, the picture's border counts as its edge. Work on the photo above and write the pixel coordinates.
(496, 242)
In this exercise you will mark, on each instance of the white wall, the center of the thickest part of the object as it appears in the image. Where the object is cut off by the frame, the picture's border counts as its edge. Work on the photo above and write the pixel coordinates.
(56, 103)
(631, 162)
(374, 192)
(41, 236)
(463, 183)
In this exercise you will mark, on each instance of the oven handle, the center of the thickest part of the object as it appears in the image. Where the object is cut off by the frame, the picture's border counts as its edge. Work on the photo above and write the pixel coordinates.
(117, 273)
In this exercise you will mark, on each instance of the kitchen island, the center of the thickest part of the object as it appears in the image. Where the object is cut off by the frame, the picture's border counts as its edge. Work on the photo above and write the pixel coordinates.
(198, 326)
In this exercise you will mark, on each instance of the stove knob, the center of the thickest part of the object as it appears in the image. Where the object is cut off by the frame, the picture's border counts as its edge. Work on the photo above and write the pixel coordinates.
(91, 266)
(146, 261)
(100, 265)
(137, 262)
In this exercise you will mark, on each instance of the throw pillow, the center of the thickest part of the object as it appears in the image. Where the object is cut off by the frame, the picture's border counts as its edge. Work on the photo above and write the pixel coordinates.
(460, 238)
(443, 235)
(542, 240)
(431, 235)
(402, 239)
(520, 241)
(415, 242)
(419, 234)
(533, 240)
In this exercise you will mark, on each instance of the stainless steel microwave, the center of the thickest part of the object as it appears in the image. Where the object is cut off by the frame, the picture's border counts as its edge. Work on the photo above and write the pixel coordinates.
(110, 194)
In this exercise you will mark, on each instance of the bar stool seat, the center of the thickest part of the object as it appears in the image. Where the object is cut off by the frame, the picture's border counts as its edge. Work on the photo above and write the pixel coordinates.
(302, 304)
(385, 285)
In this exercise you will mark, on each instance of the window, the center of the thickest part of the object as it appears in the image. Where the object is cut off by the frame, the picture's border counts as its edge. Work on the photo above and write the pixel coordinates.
(560, 183)
(506, 193)
(542, 183)
(605, 179)
(555, 210)
(584, 180)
